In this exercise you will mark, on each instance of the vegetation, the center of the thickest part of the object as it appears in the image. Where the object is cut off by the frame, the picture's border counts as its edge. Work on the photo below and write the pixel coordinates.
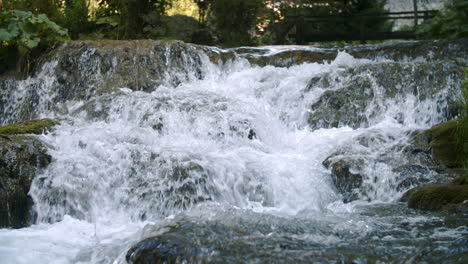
(450, 23)
(28, 25)
(334, 18)
(22, 32)
(446, 196)
(462, 131)
(28, 127)
(237, 27)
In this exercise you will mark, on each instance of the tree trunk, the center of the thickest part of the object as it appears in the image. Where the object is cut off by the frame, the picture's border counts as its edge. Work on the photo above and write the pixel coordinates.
(134, 22)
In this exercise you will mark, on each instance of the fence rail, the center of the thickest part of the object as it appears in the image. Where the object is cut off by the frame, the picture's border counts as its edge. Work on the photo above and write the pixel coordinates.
(301, 35)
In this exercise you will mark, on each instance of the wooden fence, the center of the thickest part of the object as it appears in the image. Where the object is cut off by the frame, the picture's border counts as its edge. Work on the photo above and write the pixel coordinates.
(361, 21)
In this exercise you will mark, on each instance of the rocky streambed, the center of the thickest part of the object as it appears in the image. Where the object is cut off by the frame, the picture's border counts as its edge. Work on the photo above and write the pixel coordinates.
(164, 151)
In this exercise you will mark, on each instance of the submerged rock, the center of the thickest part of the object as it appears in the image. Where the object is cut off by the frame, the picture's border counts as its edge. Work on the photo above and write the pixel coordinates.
(346, 175)
(452, 196)
(166, 248)
(21, 158)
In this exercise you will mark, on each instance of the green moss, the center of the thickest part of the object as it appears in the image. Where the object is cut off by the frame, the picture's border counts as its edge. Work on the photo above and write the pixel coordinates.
(29, 127)
(439, 196)
(445, 145)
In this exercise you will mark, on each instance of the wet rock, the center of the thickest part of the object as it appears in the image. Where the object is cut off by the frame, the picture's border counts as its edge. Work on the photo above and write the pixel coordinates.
(430, 50)
(21, 158)
(346, 176)
(411, 175)
(166, 248)
(289, 57)
(439, 148)
(357, 97)
(452, 196)
(29, 127)
(444, 146)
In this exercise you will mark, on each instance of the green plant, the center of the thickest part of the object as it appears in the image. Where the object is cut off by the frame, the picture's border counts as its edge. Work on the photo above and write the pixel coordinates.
(25, 31)
(450, 23)
(462, 131)
(234, 21)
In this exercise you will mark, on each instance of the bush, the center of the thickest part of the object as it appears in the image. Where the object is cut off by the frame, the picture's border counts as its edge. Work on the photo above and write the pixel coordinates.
(234, 21)
(450, 23)
(25, 32)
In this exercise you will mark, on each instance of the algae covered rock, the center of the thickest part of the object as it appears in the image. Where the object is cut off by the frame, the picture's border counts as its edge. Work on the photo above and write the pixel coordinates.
(21, 158)
(29, 127)
(442, 196)
(442, 142)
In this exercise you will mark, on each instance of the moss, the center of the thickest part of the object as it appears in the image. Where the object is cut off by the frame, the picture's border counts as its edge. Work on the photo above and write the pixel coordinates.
(445, 196)
(29, 127)
(444, 144)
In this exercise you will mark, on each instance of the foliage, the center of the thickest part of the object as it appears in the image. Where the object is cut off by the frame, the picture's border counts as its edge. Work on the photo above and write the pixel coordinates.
(23, 32)
(27, 31)
(51, 8)
(134, 16)
(451, 23)
(331, 17)
(234, 21)
(76, 17)
(178, 27)
(462, 131)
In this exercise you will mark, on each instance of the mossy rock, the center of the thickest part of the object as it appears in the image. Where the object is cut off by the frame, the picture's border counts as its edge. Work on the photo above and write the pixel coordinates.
(442, 196)
(21, 158)
(29, 127)
(444, 144)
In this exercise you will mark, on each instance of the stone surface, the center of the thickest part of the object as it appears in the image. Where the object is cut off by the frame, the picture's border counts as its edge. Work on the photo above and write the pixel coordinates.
(452, 196)
(346, 176)
(356, 96)
(21, 158)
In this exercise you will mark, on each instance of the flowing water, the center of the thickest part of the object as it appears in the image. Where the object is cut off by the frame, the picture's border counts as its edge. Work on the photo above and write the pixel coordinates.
(227, 158)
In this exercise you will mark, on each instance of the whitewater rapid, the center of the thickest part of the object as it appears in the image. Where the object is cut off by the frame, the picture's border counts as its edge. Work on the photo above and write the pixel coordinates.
(237, 139)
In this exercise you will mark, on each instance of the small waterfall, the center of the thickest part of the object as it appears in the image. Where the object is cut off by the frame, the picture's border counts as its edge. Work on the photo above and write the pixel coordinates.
(162, 128)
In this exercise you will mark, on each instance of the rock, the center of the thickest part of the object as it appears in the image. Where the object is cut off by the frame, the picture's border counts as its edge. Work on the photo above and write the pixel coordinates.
(166, 248)
(411, 175)
(444, 147)
(430, 50)
(346, 176)
(29, 127)
(21, 158)
(358, 96)
(452, 196)
(289, 57)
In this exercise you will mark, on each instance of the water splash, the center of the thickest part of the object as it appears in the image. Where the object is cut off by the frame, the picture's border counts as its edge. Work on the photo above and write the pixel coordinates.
(230, 134)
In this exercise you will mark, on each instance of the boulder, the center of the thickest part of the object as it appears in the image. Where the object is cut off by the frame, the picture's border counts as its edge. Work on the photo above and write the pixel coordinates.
(452, 196)
(441, 143)
(166, 248)
(21, 158)
(346, 175)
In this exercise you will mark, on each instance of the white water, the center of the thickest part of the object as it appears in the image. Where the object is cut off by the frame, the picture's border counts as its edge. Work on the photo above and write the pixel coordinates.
(114, 173)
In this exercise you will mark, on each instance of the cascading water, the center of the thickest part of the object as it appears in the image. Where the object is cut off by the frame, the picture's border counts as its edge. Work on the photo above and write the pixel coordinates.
(227, 157)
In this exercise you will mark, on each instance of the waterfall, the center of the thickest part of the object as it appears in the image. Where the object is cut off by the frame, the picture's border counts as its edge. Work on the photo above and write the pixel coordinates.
(166, 132)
